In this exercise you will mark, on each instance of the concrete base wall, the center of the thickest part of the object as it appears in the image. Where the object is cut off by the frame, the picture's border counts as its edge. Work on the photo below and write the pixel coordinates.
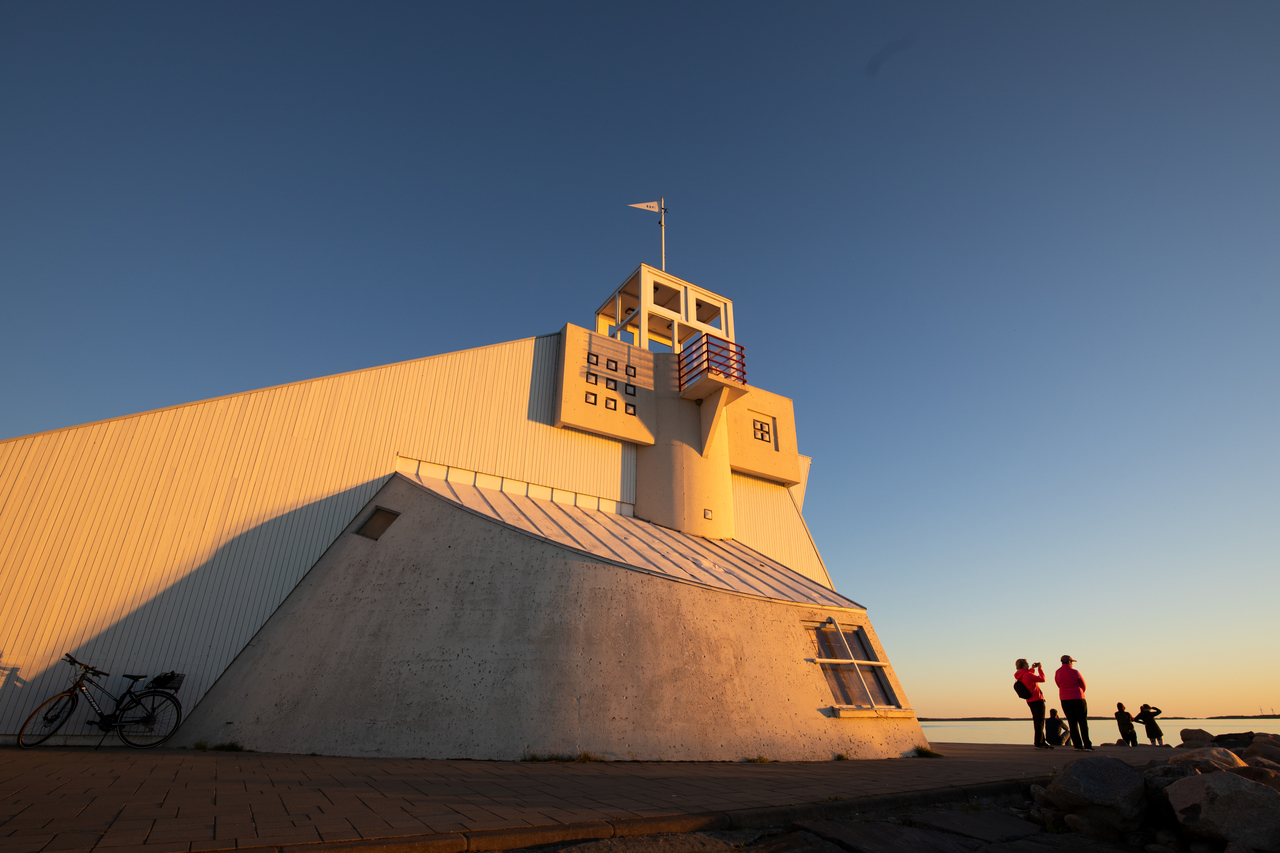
(455, 637)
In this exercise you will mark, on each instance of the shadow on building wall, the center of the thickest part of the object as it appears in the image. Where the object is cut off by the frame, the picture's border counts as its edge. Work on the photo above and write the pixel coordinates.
(196, 626)
(542, 379)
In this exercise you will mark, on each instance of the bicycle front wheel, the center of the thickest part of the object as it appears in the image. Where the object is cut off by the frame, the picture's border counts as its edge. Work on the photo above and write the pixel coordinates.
(149, 720)
(45, 721)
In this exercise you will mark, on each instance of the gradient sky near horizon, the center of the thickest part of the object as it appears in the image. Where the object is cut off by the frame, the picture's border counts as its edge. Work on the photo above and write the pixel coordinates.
(1017, 264)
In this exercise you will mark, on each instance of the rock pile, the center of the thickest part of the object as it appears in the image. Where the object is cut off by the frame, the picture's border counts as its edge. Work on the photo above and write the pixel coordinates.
(1213, 795)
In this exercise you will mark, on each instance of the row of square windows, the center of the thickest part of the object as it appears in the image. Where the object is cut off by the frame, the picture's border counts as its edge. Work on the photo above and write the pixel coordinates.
(611, 403)
(611, 384)
(611, 364)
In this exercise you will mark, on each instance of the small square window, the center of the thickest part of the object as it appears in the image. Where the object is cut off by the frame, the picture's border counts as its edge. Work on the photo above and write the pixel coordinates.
(610, 403)
(591, 399)
(631, 408)
(631, 370)
(706, 513)
(377, 524)
(631, 390)
(611, 384)
(612, 364)
(592, 358)
(592, 379)
(762, 431)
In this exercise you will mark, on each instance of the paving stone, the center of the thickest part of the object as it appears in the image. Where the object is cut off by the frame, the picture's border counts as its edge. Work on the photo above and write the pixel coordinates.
(874, 837)
(985, 826)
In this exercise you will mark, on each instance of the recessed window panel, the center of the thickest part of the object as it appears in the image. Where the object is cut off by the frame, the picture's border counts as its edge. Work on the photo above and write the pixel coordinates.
(631, 370)
(591, 398)
(611, 384)
(610, 403)
(631, 390)
(377, 524)
(592, 358)
(592, 379)
(612, 364)
(631, 408)
(762, 430)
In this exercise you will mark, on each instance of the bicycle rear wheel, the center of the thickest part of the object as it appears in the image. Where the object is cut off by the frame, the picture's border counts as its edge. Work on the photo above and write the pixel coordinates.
(149, 720)
(45, 721)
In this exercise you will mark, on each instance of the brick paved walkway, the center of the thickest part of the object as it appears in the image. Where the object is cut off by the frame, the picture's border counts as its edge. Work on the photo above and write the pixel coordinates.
(164, 801)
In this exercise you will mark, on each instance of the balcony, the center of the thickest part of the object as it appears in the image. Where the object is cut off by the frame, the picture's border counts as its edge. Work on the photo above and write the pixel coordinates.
(709, 363)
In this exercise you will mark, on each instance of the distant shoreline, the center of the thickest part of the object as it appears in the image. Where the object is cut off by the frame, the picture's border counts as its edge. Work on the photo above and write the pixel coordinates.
(1162, 716)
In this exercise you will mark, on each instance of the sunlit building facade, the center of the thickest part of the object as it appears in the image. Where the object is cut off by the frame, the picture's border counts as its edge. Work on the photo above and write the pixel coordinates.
(591, 540)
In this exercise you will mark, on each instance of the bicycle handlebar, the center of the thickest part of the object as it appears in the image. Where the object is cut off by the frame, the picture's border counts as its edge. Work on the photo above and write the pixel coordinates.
(92, 670)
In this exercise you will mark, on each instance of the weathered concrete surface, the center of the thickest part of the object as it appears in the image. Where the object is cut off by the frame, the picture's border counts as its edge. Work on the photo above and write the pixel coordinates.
(455, 637)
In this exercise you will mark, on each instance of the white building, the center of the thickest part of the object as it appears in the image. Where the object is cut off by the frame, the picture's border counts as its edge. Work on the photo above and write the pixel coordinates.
(564, 543)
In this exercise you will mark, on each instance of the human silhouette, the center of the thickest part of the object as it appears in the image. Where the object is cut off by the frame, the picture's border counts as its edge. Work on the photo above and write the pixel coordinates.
(1125, 721)
(1147, 716)
(1055, 729)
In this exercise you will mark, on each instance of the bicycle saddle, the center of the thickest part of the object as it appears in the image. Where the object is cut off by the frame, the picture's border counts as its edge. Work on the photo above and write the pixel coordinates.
(135, 677)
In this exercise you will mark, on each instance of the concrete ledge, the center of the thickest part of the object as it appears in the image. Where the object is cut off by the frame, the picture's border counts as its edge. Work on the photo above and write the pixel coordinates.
(478, 841)
(533, 836)
(628, 827)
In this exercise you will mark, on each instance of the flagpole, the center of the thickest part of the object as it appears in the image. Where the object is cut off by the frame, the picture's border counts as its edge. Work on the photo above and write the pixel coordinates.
(662, 226)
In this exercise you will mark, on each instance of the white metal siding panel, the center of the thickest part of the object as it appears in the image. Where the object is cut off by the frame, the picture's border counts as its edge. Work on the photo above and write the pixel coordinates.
(765, 518)
(640, 545)
(166, 539)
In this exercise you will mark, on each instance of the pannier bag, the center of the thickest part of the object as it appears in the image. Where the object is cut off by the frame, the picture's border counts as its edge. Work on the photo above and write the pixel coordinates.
(170, 681)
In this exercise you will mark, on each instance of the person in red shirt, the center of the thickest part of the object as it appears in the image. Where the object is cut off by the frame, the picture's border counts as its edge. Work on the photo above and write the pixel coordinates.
(1032, 677)
(1071, 692)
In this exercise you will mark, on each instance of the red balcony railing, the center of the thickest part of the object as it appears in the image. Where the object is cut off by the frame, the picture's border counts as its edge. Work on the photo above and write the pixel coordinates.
(710, 354)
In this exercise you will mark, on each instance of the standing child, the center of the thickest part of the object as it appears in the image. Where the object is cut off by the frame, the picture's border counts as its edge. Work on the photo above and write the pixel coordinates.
(1125, 721)
(1147, 716)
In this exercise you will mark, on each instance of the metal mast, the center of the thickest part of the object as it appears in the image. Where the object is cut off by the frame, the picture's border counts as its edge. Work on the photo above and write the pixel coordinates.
(659, 207)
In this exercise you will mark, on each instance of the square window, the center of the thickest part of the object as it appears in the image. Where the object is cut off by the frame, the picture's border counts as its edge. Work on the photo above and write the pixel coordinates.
(631, 408)
(631, 370)
(592, 358)
(612, 364)
(377, 524)
(610, 403)
(850, 667)
(611, 384)
(631, 390)
(592, 379)
(591, 398)
(762, 430)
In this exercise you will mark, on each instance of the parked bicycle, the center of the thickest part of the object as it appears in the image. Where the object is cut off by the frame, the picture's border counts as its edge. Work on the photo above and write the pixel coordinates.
(142, 720)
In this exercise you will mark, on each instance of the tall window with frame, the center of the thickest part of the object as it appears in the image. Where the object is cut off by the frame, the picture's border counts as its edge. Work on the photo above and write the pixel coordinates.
(853, 673)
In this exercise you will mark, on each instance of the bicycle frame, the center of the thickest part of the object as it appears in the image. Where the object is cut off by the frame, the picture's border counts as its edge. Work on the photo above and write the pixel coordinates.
(105, 722)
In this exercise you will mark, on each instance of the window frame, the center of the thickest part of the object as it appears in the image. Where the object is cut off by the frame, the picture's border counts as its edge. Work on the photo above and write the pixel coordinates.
(857, 665)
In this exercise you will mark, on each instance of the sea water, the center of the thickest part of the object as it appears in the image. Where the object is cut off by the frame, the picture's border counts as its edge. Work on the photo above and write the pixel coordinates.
(1100, 731)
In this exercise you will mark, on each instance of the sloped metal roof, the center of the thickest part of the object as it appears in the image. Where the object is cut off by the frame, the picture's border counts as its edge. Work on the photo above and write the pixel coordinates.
(640, 545)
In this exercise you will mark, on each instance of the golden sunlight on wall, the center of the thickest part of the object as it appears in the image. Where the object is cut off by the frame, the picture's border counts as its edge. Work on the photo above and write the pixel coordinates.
(164, 540)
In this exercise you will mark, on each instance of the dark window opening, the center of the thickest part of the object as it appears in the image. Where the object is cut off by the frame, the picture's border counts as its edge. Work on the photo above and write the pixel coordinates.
(377, 524)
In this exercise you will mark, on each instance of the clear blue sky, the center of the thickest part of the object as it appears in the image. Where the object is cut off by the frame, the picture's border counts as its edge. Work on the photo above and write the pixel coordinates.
(1017, 264)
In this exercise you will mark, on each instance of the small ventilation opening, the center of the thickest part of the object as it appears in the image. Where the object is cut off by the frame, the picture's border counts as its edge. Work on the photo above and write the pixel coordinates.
(377, 524)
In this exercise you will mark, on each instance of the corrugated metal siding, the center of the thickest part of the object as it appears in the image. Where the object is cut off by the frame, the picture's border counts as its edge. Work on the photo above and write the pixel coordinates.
(718, 564)
(165, 540)
(766, 518)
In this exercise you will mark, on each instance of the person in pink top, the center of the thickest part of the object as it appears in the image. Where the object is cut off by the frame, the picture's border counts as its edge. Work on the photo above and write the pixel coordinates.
(1032, 676)
(1071, 692)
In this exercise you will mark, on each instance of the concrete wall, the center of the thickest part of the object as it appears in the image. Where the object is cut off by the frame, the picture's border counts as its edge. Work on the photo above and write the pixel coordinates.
(454, 637)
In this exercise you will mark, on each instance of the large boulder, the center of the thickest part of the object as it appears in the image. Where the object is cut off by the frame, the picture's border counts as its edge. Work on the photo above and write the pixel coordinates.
(1261, 775)
(1196, 736)
(1264, 750)
(1259, 761)
(1224, 807)
(1103, 788)
(1208, 759)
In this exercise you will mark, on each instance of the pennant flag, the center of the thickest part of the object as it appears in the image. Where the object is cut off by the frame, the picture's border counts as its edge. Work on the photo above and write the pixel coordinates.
(648, 205)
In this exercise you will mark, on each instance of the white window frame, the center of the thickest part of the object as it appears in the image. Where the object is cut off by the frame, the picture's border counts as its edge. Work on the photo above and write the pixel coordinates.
(856, 664)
